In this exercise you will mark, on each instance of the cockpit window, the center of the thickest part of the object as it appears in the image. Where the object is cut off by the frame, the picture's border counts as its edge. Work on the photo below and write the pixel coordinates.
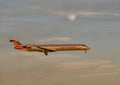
(83, 45)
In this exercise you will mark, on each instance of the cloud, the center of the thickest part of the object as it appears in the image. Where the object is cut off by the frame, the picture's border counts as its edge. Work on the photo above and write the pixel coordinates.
(26, 53)
(62, 8)
(41, 55)
(80, 65)
(89, 68)
(101, 34)
(86, 13)
(93, 13)
(99, 74)
(55, 39)
(79, 8)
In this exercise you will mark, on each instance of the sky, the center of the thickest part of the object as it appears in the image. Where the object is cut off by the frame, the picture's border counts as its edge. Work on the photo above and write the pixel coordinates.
(91, 22)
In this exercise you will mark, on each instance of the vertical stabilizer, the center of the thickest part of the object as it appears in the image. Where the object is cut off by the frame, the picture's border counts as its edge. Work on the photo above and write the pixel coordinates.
(17, 44)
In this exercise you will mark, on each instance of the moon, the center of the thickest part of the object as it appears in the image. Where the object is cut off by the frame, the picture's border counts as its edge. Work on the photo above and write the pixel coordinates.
(72, 17)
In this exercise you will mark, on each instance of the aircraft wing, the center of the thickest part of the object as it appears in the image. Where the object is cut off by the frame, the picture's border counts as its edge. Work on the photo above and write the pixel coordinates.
(38, 48)
(45, 50)
(48, 49)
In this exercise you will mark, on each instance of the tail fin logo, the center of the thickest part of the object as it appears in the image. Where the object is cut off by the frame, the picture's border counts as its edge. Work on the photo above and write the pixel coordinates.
(17, 44)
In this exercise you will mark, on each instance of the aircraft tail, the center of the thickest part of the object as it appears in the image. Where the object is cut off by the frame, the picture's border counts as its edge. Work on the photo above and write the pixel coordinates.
(17, 44)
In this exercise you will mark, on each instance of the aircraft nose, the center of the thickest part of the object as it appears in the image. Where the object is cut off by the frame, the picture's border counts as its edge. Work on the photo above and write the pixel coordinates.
(86, 48)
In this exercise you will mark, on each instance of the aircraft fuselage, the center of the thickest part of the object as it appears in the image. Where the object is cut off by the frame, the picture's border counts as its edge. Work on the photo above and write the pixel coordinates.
(66, 47)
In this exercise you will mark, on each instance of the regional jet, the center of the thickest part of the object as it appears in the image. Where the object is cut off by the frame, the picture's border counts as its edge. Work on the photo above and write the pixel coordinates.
(49, 47)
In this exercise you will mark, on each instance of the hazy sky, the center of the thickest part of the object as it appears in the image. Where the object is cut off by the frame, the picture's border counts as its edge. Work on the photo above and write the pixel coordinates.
(92, 22)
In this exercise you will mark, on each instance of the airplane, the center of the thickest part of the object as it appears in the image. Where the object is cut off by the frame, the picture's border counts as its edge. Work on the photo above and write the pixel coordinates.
(49, 47)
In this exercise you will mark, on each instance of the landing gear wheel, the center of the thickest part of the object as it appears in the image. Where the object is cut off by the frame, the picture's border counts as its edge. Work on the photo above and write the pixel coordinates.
(46, 52)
